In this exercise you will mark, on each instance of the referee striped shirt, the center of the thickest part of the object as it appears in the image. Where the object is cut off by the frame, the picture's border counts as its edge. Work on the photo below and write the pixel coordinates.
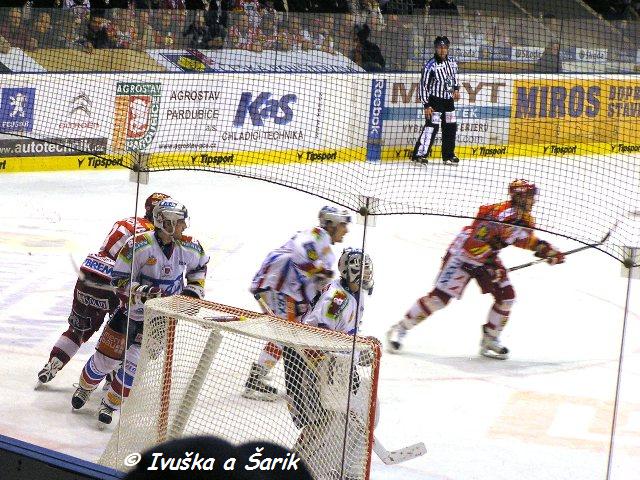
(439, 79)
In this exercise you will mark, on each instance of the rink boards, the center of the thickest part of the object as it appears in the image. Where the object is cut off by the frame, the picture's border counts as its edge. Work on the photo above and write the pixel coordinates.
(209, 121)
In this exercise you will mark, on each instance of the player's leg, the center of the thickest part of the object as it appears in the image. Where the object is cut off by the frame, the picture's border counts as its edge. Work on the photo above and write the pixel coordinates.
(449, 130)
(106, 358)
(422, 148)
(120, 386)
(504, 296)
(89, 307)
(257, 386)
(451, 282)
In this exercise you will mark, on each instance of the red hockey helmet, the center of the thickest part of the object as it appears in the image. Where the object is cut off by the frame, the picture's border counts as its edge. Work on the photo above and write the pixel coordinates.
(522, 187)
(151, 202)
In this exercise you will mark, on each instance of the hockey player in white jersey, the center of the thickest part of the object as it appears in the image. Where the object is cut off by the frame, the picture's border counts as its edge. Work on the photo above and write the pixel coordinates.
(91, 304)
(151, 264)
(318, 396)
(288, 281)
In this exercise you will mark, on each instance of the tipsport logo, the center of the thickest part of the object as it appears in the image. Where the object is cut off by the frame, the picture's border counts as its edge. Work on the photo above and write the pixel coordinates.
(16, 109)
(137, 111)
(262, 108)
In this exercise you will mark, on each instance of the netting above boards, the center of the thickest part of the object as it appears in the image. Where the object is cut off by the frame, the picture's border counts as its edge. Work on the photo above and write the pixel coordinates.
(298, 100)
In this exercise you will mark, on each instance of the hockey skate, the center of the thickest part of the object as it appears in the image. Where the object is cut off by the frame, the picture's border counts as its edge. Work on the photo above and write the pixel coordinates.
(256, 387)
(50, 370)
(491, 347)
(80, 397)
(420, 159)
(395, 336)
(105, 414)
(453, 160)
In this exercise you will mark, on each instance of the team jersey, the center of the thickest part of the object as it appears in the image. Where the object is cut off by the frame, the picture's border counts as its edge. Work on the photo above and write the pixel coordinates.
(121, 231)
(165, 267)
(293, 268)
(439, 79)
(336, 309)
(100, 264)
(496, 226)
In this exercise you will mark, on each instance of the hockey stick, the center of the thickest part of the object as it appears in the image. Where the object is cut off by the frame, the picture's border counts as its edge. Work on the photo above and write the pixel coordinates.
(575, 250)
(398, 456)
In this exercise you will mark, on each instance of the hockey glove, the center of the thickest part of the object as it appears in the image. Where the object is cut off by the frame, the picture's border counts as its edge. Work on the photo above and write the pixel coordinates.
(549, 253)
(193, 291)
(497, 273)
(140, 293)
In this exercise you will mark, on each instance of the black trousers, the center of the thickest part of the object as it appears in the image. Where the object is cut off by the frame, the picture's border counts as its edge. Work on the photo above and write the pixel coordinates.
(442, 108)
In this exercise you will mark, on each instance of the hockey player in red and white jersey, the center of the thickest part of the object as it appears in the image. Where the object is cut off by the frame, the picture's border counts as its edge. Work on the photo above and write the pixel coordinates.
(289, 279)
(90, 303)
(151, 264)
(317, 399)
(475, 254)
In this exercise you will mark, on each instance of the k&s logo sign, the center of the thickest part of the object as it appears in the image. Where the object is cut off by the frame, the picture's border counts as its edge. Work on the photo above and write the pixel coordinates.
(264, 107)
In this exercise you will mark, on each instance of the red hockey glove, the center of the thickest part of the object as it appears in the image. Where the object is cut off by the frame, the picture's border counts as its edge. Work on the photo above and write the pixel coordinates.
(549, 253)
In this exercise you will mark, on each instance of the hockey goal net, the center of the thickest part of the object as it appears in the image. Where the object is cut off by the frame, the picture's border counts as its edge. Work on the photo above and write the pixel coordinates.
(194, 361)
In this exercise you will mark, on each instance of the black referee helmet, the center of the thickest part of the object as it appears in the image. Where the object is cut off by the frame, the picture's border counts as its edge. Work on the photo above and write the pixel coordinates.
(441, 40)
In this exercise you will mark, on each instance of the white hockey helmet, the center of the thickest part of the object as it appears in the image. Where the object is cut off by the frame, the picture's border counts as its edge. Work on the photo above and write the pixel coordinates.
(349, 266)
(169, 211)
(332, 215)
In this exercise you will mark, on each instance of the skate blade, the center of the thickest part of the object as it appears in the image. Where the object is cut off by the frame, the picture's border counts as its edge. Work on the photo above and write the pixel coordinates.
(393, 347)
(101, 426)
(494, 355)
(261, 396)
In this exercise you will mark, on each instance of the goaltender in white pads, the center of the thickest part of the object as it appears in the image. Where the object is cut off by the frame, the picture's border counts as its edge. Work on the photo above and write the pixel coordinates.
(318, 406)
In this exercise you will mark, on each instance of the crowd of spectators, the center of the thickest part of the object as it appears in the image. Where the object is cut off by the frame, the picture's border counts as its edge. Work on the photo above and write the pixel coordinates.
(354, 28)
(251, 25)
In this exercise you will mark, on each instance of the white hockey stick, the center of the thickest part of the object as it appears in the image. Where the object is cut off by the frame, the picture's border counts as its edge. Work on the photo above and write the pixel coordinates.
(400, 455)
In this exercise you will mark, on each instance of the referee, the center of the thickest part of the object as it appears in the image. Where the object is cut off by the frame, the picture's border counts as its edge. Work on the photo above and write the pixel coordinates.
(439, 88)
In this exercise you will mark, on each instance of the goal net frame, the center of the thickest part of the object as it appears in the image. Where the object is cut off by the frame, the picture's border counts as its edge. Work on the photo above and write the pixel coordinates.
(154, 413)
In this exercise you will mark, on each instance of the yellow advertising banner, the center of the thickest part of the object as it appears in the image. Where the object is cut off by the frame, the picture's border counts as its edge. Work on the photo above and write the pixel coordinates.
(574, 110)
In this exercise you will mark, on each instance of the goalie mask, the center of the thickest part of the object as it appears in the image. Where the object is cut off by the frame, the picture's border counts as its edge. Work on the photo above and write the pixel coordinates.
(167, 214)
(349, 266)
(333, 216)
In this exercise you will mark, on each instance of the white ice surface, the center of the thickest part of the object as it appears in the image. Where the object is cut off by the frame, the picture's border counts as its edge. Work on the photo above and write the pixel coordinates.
(546, 413)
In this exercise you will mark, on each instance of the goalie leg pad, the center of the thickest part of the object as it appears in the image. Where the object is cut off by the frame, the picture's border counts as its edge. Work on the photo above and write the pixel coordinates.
(302, 389)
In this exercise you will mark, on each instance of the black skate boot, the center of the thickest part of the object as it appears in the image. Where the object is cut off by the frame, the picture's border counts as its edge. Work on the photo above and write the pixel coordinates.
(105, 414)
(256, 386)
(453, 160)
(80, 397)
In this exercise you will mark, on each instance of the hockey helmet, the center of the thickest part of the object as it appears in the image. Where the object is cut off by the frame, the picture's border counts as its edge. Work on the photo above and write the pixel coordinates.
(151, 202)
(169, 211)
(522, 187)
(332, 215)
(350, 265)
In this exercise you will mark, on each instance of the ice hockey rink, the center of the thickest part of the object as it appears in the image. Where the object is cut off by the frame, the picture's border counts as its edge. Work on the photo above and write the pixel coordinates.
(545, 413)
